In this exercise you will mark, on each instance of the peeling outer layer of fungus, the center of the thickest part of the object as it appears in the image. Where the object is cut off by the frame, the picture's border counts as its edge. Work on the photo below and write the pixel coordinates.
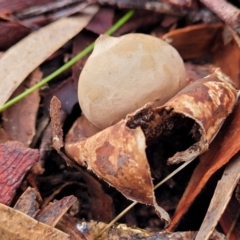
(194, 115)
(117, 155)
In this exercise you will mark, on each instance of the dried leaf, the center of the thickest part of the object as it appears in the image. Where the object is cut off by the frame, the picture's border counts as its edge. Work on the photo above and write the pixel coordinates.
(3, 136)
(26, 110)
(194, 41)
(229, 52)
(15, 225)
(51, 214)
(220, 199)
(15, 161)
(27, 203)
(35, 48)
(211, 161)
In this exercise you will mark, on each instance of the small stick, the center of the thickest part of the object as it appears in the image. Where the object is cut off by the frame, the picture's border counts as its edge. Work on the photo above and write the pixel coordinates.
(226, 11)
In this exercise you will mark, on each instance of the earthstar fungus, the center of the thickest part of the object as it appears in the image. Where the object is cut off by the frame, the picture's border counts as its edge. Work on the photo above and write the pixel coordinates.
(117, 153)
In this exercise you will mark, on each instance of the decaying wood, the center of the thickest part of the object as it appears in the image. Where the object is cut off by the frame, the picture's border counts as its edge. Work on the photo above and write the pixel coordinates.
(17, 128)
(15, 161)
(53, 212)
(194, 41)
(27, 203)
(220, 199)
(226, 11)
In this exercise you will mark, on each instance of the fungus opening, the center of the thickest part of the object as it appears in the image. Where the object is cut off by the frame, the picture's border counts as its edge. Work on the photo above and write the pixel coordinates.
(175, 131)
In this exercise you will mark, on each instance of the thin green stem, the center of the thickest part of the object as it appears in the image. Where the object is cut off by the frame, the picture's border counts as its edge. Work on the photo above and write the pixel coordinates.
(134, 203)
(67, 65)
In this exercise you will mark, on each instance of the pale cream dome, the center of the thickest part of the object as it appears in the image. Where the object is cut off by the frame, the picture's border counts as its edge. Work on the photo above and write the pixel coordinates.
(124, 73)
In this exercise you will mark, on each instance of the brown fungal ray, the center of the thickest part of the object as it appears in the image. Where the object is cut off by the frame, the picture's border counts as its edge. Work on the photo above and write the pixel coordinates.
(117, 155)
(194, 115)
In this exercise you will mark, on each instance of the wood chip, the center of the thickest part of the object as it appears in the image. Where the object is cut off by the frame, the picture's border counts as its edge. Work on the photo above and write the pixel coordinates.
(21, 59)
(27, 203)
(51, 214)
(220, 199)
(15, 161)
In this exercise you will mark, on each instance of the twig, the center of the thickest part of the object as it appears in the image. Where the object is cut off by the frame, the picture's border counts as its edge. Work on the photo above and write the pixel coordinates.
(226, 11)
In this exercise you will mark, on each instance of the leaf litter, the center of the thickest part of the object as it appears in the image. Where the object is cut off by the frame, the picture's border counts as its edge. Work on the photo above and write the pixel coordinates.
(213, 45)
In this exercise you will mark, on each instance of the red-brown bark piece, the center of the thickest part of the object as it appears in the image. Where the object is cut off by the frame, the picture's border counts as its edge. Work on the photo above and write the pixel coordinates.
(12, 32)
(26, 110)
(223, 148)
(194, 41)
(27, 203)
(229, 217)
(229, 53)
(51, 214)
(15, 161)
